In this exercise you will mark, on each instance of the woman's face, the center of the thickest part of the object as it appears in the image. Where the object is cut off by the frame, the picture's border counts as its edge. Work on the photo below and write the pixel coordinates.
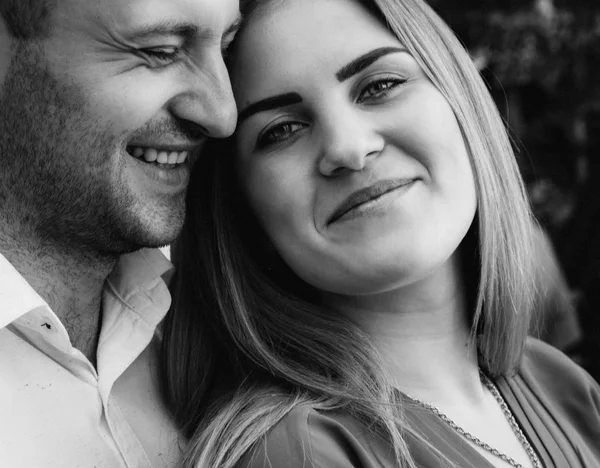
(352, 160)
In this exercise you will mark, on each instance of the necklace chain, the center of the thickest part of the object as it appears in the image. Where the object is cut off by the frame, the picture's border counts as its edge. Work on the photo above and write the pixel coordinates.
(536, 462)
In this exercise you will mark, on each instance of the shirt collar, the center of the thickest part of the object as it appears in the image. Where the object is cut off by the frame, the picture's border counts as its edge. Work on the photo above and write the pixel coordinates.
(17, 297)
(132, 272)
(139, 270)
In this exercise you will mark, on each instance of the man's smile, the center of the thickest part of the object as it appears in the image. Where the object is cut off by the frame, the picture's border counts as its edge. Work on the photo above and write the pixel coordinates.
(164, 156)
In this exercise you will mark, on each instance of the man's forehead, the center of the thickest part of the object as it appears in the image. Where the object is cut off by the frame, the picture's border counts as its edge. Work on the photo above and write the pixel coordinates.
(205, 16)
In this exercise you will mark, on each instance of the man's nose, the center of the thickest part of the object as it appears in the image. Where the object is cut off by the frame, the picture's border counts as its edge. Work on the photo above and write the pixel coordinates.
(208, 99)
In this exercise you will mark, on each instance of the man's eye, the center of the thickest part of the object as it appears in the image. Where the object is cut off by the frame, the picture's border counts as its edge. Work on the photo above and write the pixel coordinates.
(278, 133)
(379, 88)
(225, 47)
(162, 57)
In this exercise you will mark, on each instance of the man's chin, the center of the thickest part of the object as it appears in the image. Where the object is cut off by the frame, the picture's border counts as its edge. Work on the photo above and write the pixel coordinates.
(154, 230)
(139, 243)
(159, 238)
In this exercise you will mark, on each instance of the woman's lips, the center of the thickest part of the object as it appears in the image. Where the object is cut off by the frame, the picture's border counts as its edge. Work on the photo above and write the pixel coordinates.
(366, 195)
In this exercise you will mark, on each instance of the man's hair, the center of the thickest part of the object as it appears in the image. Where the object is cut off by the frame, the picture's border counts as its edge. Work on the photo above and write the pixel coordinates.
(27, 19)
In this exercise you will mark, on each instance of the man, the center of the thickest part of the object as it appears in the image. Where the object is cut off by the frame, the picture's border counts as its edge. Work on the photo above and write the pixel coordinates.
(103, 107)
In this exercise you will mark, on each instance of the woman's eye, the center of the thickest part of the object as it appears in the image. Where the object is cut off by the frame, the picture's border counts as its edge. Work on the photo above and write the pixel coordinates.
(379, 88)
(162, 57)
(279, 133)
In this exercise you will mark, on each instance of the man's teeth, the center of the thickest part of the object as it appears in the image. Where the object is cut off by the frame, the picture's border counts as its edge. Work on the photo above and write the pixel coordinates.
(160, 157)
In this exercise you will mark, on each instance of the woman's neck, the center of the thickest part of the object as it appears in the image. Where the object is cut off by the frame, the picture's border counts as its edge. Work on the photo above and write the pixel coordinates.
(422, 332)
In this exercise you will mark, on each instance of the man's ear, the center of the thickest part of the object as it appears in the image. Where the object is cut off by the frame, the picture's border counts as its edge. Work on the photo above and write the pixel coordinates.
(6, 49)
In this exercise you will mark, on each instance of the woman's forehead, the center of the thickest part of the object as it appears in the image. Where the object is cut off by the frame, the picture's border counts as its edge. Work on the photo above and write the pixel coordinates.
(291, 41)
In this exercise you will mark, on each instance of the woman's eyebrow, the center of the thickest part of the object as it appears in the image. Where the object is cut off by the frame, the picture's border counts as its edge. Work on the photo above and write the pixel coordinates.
(273, 102)
(359, 64)
(347, 71)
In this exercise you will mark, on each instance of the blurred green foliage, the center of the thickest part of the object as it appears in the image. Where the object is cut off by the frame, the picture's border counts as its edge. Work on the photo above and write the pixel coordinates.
(541, 60)
(553, 44)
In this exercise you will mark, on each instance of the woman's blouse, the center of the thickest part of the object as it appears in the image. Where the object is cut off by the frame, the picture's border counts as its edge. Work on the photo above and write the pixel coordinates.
(556, 403)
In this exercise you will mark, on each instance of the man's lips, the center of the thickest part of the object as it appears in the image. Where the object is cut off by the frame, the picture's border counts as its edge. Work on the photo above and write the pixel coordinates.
(163, 146)
(365, 195)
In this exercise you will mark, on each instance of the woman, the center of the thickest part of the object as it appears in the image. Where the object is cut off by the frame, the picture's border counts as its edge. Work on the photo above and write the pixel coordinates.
(355, 278)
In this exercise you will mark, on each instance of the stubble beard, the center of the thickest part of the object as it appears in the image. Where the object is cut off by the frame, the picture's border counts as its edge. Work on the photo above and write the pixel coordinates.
(59, 180)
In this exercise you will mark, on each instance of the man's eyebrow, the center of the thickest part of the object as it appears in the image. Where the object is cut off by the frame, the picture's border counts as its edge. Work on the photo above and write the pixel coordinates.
(273, 102)
(165, 28)
(183, 29)
(359, 64)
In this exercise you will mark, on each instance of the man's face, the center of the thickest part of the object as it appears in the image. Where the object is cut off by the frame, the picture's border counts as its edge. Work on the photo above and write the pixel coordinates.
(101, 121)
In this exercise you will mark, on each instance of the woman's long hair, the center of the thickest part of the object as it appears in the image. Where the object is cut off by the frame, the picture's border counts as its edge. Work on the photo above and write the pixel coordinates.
(247, 341)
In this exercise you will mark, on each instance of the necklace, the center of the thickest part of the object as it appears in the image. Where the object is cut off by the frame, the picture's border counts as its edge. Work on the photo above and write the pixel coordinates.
(536, 462)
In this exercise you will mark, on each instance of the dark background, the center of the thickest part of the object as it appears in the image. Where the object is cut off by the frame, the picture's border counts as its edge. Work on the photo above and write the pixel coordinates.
(541, 61)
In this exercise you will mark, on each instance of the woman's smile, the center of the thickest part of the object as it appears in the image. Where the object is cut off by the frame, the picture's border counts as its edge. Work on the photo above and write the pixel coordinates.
(371, 200)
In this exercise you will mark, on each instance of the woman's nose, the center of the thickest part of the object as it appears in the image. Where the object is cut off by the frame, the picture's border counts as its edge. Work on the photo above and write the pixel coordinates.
(349, 142)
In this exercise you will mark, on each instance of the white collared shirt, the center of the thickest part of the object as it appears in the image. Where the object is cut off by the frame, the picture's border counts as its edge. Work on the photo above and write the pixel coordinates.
(56, 410)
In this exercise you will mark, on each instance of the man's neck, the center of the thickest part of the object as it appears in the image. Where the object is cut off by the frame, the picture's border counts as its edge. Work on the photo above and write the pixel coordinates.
(70, 280)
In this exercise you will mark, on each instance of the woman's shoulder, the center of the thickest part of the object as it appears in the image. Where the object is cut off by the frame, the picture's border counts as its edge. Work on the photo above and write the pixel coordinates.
(547, 362)
(564, 396)
(562, 380)
(312, 438)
